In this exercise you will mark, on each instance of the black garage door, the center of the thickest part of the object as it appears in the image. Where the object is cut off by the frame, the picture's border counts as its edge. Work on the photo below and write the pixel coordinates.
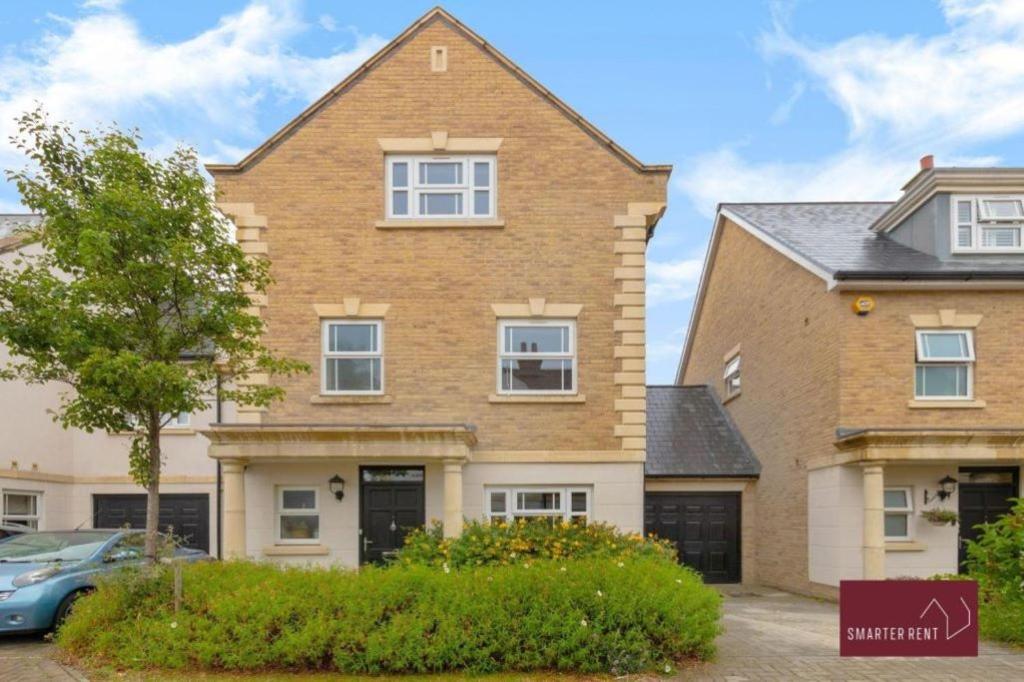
(705, 528)
(188, 515)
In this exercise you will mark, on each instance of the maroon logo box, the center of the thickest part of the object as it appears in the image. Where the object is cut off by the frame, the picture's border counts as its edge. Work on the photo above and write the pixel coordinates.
(908, 618)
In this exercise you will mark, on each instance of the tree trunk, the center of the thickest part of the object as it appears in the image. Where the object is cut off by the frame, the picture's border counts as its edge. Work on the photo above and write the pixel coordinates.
(153, 488)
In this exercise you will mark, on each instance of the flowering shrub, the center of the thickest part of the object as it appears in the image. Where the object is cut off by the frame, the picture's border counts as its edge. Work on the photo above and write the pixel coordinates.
(500, 543)
(600, 614)
(996, 561)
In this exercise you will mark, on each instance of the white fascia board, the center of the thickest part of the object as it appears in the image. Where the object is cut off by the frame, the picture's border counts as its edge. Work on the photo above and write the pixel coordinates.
(761, 235)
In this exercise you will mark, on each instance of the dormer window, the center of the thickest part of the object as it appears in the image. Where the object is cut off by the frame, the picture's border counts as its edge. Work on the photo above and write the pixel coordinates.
(991, 224)
(440, 187)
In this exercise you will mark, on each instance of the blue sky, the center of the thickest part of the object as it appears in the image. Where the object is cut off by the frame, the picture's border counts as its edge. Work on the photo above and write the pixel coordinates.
(756, 100)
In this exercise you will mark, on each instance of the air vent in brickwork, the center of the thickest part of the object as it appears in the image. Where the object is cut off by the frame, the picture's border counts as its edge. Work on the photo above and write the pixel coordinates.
(438, 58)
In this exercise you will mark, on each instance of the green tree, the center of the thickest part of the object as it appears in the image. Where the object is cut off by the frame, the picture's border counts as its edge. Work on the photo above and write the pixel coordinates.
(137, 300)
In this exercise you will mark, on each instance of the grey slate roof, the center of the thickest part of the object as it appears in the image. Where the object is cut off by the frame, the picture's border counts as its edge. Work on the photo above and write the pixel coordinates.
(689, 434)
(837, 238)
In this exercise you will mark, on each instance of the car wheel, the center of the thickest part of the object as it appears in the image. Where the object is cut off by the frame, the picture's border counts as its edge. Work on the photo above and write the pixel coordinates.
(66, 607)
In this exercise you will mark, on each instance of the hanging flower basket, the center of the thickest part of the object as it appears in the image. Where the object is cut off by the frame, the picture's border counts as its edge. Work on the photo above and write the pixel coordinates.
(940, 517)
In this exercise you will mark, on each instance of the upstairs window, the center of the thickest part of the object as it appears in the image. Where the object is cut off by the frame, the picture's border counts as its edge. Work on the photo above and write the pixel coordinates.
(732, 377)
(988, 223)
(352, 361)
(537, 357)
(945, 364)
(439, 187)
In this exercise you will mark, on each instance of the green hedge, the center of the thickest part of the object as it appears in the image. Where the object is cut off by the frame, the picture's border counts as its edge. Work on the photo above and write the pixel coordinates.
(996, 561)
(498, 543)
(590, 615)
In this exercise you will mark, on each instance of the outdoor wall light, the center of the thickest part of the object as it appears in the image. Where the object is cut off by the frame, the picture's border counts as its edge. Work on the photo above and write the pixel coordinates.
(337, 486)
(947, 485)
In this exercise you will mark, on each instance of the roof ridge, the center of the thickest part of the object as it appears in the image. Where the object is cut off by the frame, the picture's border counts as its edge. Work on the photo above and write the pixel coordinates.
(803, 203)
(434, 13)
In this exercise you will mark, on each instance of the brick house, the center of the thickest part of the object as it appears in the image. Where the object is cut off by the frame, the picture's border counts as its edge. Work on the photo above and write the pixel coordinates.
(866, 352)
(460, 258)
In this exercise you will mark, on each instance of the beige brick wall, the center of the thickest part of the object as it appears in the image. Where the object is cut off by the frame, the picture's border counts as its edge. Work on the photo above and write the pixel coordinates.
(878, 357)
(321, 191)
(787, 328)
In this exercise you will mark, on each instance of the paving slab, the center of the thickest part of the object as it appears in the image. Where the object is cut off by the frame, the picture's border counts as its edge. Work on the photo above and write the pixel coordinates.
(774, 635)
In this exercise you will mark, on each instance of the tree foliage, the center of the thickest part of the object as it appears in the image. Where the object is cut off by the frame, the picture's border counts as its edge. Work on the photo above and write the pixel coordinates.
(137, 297)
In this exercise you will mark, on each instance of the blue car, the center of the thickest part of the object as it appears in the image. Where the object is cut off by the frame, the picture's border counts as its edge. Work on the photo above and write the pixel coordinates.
(43, 574)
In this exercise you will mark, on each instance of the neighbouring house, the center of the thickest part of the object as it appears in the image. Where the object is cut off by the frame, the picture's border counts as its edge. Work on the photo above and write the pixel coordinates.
(867, 354)
(460, 258)
(53, 478)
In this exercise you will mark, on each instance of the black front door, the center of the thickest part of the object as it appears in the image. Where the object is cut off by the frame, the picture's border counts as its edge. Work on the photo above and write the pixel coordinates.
(705, 527)
(391, 504)
(186, 515)
(985, 495)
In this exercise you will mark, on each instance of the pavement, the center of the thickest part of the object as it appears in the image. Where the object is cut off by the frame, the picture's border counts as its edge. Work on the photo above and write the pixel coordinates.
(30, 658)
(773, 635)
(769, 635)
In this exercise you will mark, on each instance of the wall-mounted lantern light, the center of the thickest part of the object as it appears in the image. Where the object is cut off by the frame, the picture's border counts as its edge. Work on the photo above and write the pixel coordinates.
(947, 486)
(337, 486)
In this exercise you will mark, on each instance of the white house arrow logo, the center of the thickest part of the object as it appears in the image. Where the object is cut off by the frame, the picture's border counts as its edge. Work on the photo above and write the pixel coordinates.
(935, 602)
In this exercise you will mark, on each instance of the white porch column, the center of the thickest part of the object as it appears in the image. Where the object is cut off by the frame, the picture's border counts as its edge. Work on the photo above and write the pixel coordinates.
(233, 476)
(874, 521)
(452, 497)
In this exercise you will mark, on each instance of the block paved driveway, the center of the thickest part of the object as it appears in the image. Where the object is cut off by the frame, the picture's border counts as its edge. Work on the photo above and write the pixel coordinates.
(771, 635)
(30, 659)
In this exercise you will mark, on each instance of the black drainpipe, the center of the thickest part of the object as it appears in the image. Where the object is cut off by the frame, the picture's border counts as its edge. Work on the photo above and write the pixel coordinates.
(218, 503)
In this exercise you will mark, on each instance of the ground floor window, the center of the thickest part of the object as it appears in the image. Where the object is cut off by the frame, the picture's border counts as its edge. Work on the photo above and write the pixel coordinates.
(21, 508)
(567, 503)
(899, 507)
(298, 515)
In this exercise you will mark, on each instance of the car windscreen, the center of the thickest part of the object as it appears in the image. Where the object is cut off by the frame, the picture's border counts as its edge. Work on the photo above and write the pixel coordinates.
(70, 546)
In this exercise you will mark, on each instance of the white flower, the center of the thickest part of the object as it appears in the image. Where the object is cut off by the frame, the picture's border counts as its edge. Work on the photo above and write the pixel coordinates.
(445, 567)
(668, 668)
(600, 594)
(174, 625)
(583, 622)
(526, 565)
(621, 564)
(562, 569)
(679, 580)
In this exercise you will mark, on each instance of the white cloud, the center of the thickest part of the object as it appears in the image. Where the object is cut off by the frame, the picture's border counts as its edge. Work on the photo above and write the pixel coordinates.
(327, 23)
(783, 111)
(902, 97)
(99, 67)
(107, 5)
(672, 280)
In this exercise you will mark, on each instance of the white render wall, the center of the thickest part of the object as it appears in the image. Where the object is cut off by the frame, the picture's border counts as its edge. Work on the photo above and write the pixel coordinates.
(617, 498)
(835, 518)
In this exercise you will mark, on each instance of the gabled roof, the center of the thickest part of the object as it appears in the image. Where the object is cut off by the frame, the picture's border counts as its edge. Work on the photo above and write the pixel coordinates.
(689, 434)
(437, 14)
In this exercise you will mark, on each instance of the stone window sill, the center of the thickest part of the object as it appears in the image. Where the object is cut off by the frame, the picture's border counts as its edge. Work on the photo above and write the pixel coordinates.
(579, 398)
(945, 404)
(350, 399)
(730, 398)
(297, 550)
(905, 547)
(412, 224)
